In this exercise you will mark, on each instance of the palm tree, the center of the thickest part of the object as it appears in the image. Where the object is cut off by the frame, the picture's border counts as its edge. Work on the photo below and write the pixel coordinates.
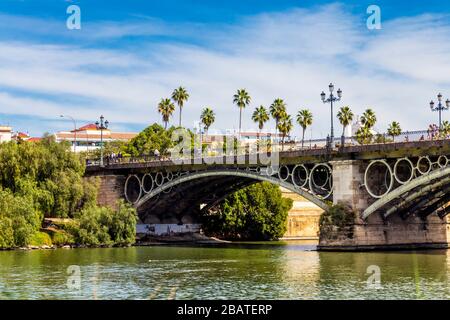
(207, 117)
(166, 108)
(278, 111)
(180, 96)
(368, 119)
(364, 135)
(304, 119)
(285, 126)
(345, 116)
(394, 130)
(260, 116)
(241, 99)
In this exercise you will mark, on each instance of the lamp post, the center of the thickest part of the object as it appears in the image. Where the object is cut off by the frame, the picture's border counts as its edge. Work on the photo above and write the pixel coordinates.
(74, 131)
(332, 98)
(440, 107)
(102, 125)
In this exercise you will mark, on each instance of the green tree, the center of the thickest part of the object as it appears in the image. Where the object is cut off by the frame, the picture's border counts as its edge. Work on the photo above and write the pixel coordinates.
(180, 96)
(345, 116)
(166, 109)
(241, 99)
(304, 119)
(152, 138)
(277, 111)
(260, 116)
(284, 126)
(257, 212)
(207, 118)
(394, 130)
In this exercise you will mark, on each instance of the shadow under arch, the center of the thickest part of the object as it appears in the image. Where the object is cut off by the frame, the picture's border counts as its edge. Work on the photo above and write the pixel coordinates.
(232, 173)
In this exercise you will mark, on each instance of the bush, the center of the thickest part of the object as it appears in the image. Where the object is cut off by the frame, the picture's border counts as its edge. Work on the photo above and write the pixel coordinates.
(258, 212)
(337, 221)
(95, 226)
(41, 239)
(60, 238)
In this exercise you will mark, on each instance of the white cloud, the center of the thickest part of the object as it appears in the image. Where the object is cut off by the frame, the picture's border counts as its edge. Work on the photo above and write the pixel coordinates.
(292, 55)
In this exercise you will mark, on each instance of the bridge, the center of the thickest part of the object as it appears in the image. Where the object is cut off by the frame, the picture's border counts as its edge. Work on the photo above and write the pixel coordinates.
(400, 191)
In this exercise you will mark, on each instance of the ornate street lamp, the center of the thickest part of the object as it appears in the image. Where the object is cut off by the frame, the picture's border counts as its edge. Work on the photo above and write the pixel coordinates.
(332, 98)
(440, 107)
(74, 131)
(102, 125)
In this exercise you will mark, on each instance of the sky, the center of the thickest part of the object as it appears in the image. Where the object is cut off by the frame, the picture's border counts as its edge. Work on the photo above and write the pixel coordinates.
(130, 54)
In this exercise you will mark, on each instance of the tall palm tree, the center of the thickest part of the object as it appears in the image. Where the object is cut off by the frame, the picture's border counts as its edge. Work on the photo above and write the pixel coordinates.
(278, 111)
(304, 119)
(166, 108)
(394, 130)
(285, 126)
(345, 116)
(207, 118)
(241, 99)
(180, 96)
(260, 116)
(368, 119)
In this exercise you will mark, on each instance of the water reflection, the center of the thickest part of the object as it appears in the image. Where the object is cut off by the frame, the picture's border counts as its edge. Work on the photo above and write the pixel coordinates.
(250, 271)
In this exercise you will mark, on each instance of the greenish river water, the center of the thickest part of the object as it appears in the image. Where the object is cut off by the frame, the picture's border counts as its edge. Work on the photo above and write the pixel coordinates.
(252, 271)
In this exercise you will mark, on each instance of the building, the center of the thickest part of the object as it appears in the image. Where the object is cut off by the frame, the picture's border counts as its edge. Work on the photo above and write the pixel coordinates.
(88, 137)
(5, 133)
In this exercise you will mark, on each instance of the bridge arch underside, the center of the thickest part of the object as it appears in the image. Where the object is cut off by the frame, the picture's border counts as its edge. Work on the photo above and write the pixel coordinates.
(423, 196)
(184, 197)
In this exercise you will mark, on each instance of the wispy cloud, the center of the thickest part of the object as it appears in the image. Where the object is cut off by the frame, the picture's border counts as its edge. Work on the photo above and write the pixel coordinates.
(292, 55)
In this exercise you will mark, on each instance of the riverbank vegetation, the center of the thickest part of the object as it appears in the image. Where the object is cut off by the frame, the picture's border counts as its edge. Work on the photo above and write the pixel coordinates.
(257, 212)
(44, 179)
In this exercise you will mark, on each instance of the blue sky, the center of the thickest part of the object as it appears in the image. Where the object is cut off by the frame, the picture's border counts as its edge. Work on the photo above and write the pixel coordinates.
(128, 55)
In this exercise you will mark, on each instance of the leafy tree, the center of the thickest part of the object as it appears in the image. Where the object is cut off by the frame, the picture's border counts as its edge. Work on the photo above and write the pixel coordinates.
(345, 116)
(260, 116)
(207, 117)
(180, 96)
(241, 99)
(166, 108)
(304, 119)
(151, 138)
(285, 126)
(278, 111)
(257, 212)
(394, 130)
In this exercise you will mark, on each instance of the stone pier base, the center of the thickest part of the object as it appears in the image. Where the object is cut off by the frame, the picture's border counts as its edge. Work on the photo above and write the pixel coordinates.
(393, 234)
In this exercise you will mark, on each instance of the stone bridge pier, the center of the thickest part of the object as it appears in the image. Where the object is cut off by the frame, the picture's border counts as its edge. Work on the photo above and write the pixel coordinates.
(415, 224)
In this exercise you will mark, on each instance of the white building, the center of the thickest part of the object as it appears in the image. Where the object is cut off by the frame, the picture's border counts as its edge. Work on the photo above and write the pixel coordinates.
(88, 137)
(5, 133)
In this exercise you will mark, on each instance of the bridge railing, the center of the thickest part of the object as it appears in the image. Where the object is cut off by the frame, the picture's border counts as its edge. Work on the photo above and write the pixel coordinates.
(288, 145)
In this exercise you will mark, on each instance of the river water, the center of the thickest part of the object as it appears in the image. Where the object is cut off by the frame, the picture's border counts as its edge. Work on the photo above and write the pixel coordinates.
(281, 270)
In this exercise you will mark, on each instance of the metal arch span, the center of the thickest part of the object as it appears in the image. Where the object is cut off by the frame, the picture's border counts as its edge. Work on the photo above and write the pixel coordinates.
(423, 182)
(236, 173)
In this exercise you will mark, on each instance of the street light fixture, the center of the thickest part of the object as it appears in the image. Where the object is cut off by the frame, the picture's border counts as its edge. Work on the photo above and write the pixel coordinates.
(74, 131)
(440, 107)
(332, 98)
(102, 125)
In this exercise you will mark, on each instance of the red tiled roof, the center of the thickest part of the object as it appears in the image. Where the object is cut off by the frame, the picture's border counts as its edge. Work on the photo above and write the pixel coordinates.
(90, 126)
(34, 139)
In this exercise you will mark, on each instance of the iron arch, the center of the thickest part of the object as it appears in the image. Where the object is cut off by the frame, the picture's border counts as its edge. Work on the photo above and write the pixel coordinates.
(236, 173)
